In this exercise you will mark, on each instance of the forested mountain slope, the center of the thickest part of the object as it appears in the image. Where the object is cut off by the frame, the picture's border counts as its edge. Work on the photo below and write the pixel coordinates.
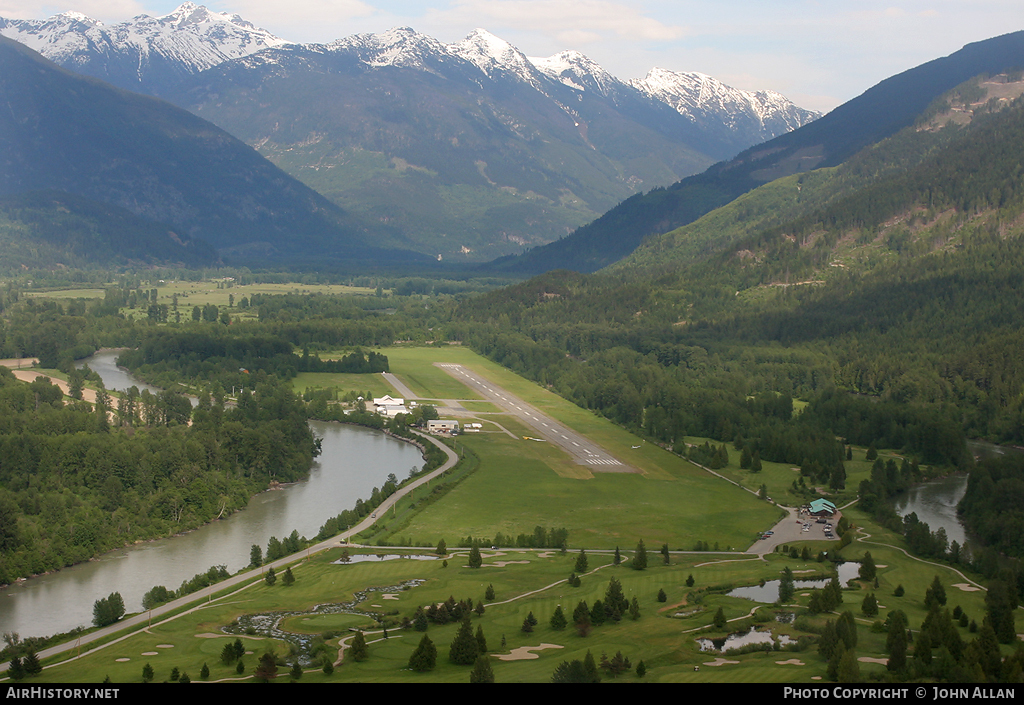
(64, 132)
(899, 280)
(878, 113)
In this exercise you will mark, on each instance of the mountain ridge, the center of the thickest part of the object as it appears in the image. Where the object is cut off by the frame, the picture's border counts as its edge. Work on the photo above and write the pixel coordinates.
(215, 37)
(878, 113)
(470, 149)
(63, 132)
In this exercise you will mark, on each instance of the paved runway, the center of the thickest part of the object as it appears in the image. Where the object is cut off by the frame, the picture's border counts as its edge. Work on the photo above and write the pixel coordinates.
(582, 450)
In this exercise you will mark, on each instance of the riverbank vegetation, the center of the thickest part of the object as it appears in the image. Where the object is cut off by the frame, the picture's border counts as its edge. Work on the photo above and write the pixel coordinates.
(596, 354)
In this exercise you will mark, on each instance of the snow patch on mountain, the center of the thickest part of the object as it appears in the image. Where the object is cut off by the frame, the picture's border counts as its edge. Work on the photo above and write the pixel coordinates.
(400, 46)
(573, 69)
(701, 97)
(493, 55)
(192, 36)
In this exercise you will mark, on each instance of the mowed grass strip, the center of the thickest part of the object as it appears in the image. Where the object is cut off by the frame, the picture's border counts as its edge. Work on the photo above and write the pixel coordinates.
(376, 384)
(516, 488)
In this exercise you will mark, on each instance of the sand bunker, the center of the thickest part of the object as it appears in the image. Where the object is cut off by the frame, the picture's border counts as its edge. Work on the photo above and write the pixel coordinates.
(791, 662)
(868, 659)
(122, 660)
(967, 588)
(390, 596)
(720, 662)
(523, 653)
(165, 646)
(150, 653)
(502, 564)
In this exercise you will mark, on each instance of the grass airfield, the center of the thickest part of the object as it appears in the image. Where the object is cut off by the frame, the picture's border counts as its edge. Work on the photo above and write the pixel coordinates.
(520, 483)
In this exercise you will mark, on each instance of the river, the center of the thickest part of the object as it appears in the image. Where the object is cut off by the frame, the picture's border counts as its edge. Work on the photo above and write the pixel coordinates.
(935, 502)
(354, 461)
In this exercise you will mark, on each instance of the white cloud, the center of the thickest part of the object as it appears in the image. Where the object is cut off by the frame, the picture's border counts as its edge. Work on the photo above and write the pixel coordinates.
(300, 20)
(104, 10)
(590, 20)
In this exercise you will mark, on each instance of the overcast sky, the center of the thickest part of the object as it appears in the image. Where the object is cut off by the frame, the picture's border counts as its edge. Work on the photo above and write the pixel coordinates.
(819, 53)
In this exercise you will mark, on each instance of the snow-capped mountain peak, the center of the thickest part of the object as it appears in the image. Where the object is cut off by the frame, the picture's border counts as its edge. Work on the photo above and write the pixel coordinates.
(399, 46)
(699, 96)
(152, 54)
(187, 40)
(490, 53)
(74, 16)
(578, 71)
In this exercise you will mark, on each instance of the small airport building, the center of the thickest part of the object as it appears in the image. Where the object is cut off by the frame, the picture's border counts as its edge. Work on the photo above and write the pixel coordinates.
(443, 426)
(389, 406)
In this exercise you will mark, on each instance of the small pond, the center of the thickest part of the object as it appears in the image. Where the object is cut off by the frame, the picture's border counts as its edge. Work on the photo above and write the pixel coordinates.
(740, 639)
(378, 557)
(769, 592)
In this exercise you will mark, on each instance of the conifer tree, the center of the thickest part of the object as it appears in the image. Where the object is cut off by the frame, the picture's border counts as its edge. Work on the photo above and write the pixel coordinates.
(270, 577)
(358, 649)
(867, 570)
(419, 620)
(288, 578)
(464, 648)
(896, 641)
(475, 559)
(870, 605)
(16, 669)
(424, 657)
(614, 599)
(590, 668)
(581, 562)
(786, 589)
(482, 672)
(639, 561)
(558, 620)
(31, 663)
(935, 594)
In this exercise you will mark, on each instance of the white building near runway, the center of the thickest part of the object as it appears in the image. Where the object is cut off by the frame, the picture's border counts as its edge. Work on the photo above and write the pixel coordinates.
(446, 426)
(389, 406)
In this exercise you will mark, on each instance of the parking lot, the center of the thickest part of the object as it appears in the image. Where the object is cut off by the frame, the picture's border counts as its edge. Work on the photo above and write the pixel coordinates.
(794, 528)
